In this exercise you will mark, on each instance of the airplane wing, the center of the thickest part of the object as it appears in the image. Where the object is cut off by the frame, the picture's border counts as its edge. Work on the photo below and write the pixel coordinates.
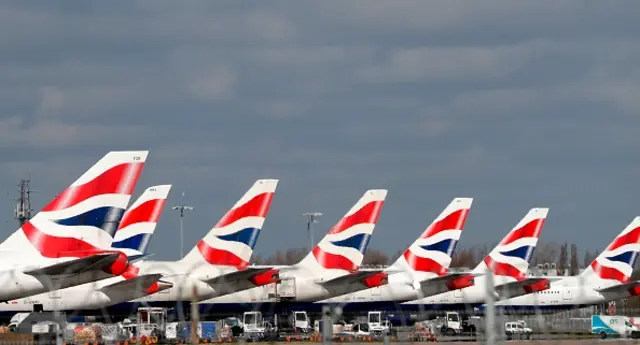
(366, 279)
(243, 279)
(96, 262)
(447, 282)
(523, 287)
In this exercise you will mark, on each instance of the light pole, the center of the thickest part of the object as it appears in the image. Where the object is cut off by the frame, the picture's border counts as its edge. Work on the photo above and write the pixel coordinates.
(182, 208)
(311, 220)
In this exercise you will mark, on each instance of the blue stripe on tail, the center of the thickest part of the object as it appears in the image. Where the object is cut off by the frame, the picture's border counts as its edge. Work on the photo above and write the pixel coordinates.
(524, 252)
(358, 242)
(106, 218)
(248, 236)
(139, 242)
(628, 258)
(445, 246)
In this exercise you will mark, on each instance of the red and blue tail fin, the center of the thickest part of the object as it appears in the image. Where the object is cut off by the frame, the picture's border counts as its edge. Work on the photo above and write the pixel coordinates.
(616, 263)
(432, 252)
(511, 257)
(85, 216)
(139, 222)
(232, 239)
(343, 248)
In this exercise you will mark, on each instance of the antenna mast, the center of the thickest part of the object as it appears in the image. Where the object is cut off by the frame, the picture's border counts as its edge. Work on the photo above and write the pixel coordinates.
(182, 207)
(23, 210)
(311, 219)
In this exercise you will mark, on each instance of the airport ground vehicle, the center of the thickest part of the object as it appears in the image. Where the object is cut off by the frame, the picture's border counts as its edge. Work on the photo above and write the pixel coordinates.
(296, 322)
(377, 325)
(450, 324)
(613, 326)
(517, 330)
(256, 327)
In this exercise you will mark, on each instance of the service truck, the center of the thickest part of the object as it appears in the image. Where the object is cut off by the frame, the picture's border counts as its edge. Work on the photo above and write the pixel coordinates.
(450, 324)
(613, 326)
(295, 322)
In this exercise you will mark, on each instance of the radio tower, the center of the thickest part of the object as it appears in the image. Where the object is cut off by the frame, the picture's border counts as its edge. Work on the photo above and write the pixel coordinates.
(23, 210)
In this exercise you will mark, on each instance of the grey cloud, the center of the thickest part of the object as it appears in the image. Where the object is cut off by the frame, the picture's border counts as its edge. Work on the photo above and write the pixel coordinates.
(517, 104)
(445, 64)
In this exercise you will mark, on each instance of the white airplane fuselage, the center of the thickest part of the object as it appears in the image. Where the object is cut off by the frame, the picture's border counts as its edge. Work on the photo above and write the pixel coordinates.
(472, 295)
(188, 280)
(401, 287)
(14, 283)
(301, 286)
(82, 297)
(567, 293)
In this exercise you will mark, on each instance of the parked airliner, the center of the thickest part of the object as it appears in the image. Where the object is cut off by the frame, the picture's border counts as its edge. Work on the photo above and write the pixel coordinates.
(218, 264)
(423, 269)
(508, 261)
(608, 278)
(330, 269)
(132, 237)
(67, 243)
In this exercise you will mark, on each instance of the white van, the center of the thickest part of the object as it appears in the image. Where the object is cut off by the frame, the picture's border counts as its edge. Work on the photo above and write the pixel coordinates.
(517, 330)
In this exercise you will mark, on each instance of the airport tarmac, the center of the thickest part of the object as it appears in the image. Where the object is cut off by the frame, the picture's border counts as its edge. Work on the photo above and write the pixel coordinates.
(523, 342)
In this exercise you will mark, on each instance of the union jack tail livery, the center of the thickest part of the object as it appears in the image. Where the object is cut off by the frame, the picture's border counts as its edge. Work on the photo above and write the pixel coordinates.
(83, 219)
(232, 239)
(431, 253)
(511, 257)
(343, 248)
(616, 263)
(139, 222)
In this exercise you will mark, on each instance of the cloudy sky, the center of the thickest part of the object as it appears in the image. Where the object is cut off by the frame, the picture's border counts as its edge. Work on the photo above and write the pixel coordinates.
(517, 104)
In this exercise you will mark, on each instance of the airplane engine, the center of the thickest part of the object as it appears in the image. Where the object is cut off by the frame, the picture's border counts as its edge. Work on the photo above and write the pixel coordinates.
(461, 282)
(376, 280)
(264, 278)
(119, 265)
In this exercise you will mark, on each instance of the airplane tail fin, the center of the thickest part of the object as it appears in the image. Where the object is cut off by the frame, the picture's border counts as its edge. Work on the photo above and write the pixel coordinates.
(616, 263)
(139, 222)
(343, 248)
(433, 250)
(85, 216)
(232, 239)
(511, 257)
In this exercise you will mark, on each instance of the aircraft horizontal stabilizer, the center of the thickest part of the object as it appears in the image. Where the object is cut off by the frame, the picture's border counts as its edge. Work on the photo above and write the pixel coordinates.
(633, 288)
(369, 279)
(100, 262)
(136, 258)
(243, 279)
(139, 283)
(522, 287)
(447, 282)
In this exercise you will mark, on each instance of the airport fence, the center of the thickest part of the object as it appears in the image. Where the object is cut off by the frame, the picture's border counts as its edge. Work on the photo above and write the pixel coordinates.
(107, 304)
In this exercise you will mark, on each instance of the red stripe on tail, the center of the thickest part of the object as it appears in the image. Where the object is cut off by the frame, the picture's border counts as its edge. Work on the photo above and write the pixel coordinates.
(630, 237)
(531, 229)
(148, 211)
(503, 269)
(605, 272)
(369, 213)
(424, 264)
(256, 207)
(118, 180)
(333, 261)
(54, 247)
(453, 221)
(220, 257)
